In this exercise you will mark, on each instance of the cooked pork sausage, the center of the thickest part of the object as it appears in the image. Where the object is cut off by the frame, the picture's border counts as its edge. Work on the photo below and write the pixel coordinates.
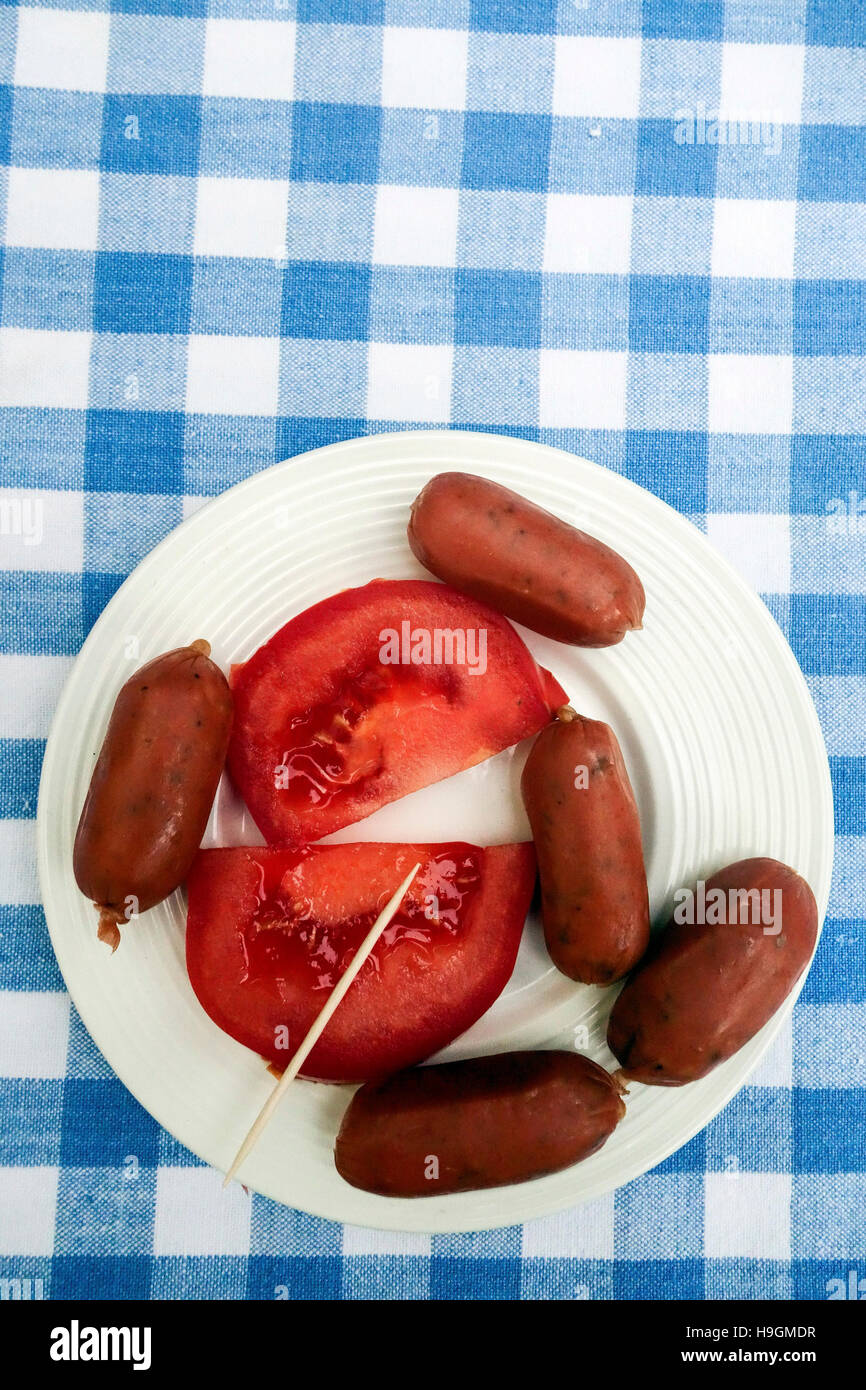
(709, 985)
(153, 785)
(585, 824)
(475, 1124)
(492, 543)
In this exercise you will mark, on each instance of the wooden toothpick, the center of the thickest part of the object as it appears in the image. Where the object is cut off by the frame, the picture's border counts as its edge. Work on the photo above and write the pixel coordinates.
(320, 1023)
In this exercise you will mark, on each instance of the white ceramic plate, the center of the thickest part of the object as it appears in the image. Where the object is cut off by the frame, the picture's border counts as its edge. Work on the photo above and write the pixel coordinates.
(716, 723)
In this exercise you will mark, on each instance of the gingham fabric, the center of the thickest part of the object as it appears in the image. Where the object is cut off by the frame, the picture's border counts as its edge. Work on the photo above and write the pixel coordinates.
(234, 231)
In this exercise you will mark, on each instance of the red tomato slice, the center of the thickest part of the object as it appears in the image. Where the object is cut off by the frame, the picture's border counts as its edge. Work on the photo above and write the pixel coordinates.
(328, 728)
(270, 931)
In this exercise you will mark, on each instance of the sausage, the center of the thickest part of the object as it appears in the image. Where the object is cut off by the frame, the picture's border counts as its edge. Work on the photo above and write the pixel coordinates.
(584, 819)
(153, 785)
(462, 1126)
(706, 989)
(492, 543)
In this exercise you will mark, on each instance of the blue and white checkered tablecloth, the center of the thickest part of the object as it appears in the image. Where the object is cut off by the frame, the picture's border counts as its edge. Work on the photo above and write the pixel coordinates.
(234, 231)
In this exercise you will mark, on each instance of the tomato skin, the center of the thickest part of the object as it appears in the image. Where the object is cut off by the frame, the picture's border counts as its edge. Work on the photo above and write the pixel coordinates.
(326, 731)
(418, 991)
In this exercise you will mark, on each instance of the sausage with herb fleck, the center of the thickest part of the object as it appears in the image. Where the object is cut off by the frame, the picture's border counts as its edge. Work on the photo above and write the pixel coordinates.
(492, 543)
(486, 1122)
(708, 987)
(584, 819)
(153, 785)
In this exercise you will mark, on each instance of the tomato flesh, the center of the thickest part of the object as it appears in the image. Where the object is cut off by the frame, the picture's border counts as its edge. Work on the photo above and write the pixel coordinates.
(287, 937)
(270, 931)
(326, 731)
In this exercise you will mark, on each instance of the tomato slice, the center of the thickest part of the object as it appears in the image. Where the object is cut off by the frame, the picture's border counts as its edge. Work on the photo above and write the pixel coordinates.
(329, 726)
(270, 931)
